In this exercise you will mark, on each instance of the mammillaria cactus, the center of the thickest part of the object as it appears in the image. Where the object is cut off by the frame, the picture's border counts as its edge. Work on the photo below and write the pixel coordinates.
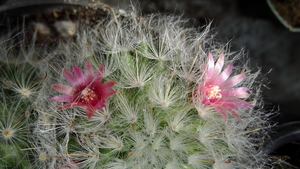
(151, 96)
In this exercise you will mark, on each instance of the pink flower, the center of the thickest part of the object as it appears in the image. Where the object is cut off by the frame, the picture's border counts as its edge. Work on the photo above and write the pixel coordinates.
(86, 90)
(217, 89)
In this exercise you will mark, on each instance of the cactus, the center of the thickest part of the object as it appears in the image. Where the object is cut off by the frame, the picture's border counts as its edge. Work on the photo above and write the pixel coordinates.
(131, 92)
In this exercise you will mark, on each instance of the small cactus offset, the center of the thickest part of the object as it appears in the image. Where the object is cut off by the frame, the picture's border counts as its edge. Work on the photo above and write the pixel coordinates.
(131, 93)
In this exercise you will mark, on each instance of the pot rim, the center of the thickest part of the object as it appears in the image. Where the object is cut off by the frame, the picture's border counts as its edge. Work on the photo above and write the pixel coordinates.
(281, 19)
(282, 135)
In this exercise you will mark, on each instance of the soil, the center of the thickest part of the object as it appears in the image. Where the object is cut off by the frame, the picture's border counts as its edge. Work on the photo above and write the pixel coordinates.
(289, 10)
(43, 25)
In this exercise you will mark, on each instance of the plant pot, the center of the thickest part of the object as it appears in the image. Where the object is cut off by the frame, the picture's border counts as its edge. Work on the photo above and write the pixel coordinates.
(12, 11)
(287, 12)
(285, 143)
(15, 8)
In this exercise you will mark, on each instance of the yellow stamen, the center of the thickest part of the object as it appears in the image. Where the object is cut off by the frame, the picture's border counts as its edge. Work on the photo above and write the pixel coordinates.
(213, 92)
(88, 95)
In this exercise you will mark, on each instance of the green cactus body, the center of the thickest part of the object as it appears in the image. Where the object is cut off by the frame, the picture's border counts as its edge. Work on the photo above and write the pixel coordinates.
(151, 116)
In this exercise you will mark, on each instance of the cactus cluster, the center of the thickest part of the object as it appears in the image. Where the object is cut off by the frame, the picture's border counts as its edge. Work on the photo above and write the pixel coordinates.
(130, 92)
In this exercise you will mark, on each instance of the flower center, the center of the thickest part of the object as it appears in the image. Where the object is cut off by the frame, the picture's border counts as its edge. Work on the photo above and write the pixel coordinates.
(8, 133)
(212, 94)
(88, 95)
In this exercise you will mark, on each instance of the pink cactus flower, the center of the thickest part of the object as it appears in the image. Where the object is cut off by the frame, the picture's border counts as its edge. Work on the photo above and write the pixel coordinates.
(86, 90)
(217, 90)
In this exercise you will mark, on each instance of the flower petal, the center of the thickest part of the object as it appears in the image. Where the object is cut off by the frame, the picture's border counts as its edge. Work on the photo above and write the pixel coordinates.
(65, 89)
(235, 115)
(62, 98)
(223, 76)
(69, 77)
(88, 68)
(100, 70)
(78, 74)
(223, 103)
(108, 93)
(232, 81)
(100, 104)
(108, 84)
(72, 104)
(210, 66)
(239, 102)
(223, 113)
(90, 112)
(218, 66)
(236, 92)
(104, 88)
